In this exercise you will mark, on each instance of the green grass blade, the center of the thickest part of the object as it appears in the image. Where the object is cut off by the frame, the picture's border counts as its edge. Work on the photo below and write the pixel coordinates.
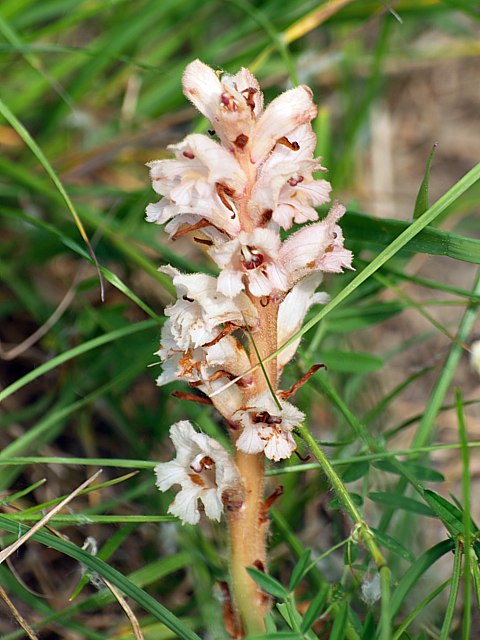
(452, 517)
(389, 542)
(94, 462)
(73, 353)
(299, 570)
(433, 284)
(268, 583)
(140, 596)
(411, 577)
(426, 426)
(376, 232)
(422, 203)
(33, 60)
(467, 521)
(19, 494)
(452, 598)
(397, 501)
(418, 610)
(314, 609)
(130, 251)
(340, 624)
(399, 243)
(85, 518)
(33, 146)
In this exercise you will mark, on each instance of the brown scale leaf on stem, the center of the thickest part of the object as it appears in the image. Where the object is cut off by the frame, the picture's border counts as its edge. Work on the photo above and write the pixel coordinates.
(191, 397)
(230, 619)
(193, 227)
(228, 327)
(268, 503)
(288, 393)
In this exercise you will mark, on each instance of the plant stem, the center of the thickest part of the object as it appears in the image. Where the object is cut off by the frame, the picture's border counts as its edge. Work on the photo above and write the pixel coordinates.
(362, 530)
(247, 545)
(249, 525)
(454, 588)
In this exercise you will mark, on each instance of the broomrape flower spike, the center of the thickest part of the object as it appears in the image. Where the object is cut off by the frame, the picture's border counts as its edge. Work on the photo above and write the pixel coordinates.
(234, 191)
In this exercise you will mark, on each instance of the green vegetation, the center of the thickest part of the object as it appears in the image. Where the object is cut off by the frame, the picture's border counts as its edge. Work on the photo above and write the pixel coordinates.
(90, 92)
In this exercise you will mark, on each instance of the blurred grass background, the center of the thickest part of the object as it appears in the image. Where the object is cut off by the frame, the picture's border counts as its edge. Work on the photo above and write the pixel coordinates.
(98, 87)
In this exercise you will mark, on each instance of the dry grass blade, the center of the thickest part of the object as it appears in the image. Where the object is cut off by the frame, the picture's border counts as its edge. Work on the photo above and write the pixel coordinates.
(313, 19)
(18, 543)
(17, 351)
(67, 299)
(17, 615)
(137, 632)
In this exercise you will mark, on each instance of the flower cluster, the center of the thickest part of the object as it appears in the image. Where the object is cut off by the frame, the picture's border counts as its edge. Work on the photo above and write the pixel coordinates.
(235, 190)
(203, 469)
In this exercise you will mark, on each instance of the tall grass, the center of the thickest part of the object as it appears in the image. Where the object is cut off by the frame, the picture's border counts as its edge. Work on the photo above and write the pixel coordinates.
(90, 92)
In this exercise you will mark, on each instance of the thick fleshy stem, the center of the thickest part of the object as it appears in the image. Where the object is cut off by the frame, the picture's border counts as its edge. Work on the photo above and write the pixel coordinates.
(248, 545)
(248, 526)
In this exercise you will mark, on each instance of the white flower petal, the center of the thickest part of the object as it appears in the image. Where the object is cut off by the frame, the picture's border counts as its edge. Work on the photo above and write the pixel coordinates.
(272, 436)
(250, 441)
(169, 371)
(280, 445)
(317, 191)
(202, 86)
(204, 470)
(292, 311)
(223, 253)
(168, 474)
(282, 116)
(242, 82)
(230, 283)
(228, 401)
(259, 284)
(160, 212)
(228, 354)
(213, 504)
(185, 505)
(304, 251)
(230, 106)
(181, 434)
(195, 318)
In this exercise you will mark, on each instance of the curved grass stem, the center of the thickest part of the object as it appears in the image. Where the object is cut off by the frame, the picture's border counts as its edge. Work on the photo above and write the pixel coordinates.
(361, 530)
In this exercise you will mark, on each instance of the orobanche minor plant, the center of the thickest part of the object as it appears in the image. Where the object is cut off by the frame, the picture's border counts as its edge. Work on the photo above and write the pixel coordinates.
(236, 189)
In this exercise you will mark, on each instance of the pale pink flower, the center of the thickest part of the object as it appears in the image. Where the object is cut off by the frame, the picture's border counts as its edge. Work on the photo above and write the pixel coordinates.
(196, 316)
(251, 259)
(231, 103)
(203, 469)
(234, 106)
(267, 428)
(188, 365)
(206, 368)
(198, 364)
(191, 366)
(280, 119)
(336, 258)
(199, 164)
(316, 247)
(201, 181)
(292, 311)
(285, 190)
(237, 195)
